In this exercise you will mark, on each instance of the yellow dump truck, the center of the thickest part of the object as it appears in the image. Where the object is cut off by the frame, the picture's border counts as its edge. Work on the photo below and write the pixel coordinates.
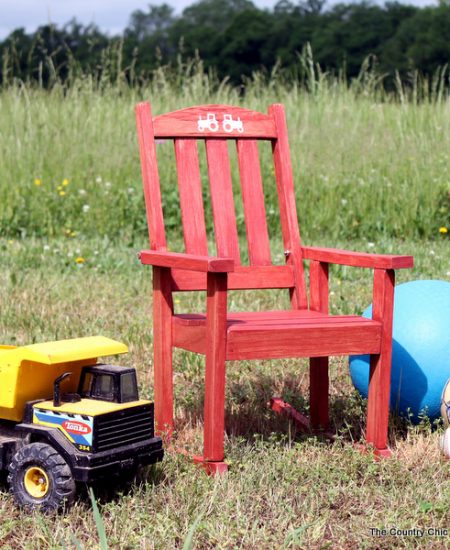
(65, 418)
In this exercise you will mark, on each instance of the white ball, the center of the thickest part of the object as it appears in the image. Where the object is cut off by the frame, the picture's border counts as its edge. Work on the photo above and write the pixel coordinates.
(445, 403)
(445, 443)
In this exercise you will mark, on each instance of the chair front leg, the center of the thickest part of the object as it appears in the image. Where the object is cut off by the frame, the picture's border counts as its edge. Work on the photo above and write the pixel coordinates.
(380, 364)
(216, 327)
(162, 351)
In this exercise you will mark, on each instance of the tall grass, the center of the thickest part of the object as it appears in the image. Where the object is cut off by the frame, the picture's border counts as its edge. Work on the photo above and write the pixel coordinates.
(366, 163)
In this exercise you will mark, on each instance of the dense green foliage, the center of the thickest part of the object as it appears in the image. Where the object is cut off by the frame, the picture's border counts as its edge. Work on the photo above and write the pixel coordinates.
(235, 38)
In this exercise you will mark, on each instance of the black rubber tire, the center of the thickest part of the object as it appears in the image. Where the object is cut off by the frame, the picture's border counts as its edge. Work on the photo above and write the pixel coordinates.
(61, 485)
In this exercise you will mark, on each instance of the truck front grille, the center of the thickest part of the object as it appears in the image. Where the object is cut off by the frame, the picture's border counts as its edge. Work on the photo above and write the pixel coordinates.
(125, 427)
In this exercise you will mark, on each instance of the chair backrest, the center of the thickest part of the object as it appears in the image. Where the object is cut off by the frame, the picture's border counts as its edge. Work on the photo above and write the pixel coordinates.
(216, 125)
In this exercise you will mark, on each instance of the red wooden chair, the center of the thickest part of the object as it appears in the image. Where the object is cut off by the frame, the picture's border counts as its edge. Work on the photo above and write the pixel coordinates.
(300, 332)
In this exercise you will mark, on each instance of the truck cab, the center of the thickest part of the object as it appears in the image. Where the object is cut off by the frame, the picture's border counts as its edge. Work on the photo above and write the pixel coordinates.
(109, 383)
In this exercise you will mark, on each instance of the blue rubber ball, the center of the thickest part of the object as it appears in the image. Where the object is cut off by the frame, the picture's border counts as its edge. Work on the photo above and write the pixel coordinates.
(420, 352)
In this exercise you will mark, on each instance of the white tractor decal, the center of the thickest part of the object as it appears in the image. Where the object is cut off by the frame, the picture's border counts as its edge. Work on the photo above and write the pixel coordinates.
(228, 124)
(211, 124)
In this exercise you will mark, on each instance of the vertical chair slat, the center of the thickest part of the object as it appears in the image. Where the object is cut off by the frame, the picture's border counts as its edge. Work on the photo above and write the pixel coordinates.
(191, 198)
(288, 209)
(150, 177)
(253, 200)
(222, 198)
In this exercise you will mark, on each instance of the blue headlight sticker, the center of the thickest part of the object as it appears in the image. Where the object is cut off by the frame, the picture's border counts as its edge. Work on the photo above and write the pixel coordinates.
(77, 428)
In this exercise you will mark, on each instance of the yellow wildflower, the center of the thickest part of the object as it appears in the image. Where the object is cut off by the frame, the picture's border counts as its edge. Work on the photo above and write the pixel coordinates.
(65, 182)
(62, 193)
(73, 233)
(443, 230)
(80, 260)
(37, 182)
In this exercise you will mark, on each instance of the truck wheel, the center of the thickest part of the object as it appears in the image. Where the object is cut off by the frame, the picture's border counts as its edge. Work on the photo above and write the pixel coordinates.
(39, 477)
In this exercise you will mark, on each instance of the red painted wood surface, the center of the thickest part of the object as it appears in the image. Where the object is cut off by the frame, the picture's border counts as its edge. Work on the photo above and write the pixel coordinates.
(186, 261)
(150, 177)
(243, 277)
(302, 422)
(253, 200)
(318, 366)
(300, 332)
(318, 286)
(213, 121)
(357, 259)
(216, 326)
(221, 188)
(281, 407)
(162, 351)
(288, 209)
(212, 468)
(380, 364)
(290, 317)
(312, 340)
(191, 198)
(282, 334)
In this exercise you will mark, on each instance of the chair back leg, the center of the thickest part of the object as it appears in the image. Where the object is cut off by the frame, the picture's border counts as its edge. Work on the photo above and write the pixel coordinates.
(318, 392)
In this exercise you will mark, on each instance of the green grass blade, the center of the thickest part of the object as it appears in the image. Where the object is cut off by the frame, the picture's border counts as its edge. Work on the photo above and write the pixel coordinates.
(98, 522)
(190, 536)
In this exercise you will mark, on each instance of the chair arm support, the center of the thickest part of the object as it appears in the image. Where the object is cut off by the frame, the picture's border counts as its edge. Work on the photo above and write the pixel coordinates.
(356, 259)
(192, 262)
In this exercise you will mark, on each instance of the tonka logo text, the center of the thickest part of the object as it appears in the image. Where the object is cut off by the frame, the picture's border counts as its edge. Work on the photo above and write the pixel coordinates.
(75, 427)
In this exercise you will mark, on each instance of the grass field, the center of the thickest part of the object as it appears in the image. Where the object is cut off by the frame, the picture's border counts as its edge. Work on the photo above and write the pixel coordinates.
(372, 174)
(377, 166)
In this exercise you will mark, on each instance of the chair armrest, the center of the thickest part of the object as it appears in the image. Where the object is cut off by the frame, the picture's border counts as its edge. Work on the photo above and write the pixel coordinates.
(192, 262)
(356, 259)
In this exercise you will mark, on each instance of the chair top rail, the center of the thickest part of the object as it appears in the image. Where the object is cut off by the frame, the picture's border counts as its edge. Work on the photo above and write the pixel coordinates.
(215, 121)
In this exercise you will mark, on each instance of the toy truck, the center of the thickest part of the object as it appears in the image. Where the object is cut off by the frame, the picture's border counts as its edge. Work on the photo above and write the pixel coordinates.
(64, 418)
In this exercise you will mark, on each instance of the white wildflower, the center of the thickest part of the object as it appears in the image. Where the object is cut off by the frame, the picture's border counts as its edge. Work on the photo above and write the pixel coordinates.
(86, 208)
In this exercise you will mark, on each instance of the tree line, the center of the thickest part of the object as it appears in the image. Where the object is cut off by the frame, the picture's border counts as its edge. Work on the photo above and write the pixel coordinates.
(235, 39)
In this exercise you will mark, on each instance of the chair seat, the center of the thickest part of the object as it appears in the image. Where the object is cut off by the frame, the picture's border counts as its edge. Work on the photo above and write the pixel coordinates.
(278, 334)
